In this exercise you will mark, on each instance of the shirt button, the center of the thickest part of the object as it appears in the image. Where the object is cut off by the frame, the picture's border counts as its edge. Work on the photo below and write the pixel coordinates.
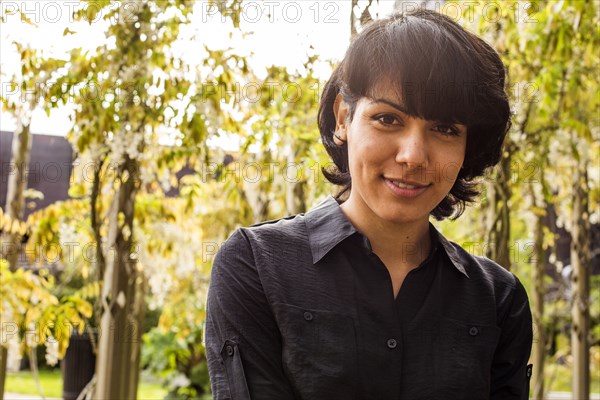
(474, 331)
(308, 316)
(229, 350)
(392, 343)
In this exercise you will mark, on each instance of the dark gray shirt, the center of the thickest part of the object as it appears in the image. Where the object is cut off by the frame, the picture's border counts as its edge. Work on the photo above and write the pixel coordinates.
(302, 308)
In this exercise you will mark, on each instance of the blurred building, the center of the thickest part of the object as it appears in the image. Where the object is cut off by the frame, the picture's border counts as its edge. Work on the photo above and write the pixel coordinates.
(49, 169)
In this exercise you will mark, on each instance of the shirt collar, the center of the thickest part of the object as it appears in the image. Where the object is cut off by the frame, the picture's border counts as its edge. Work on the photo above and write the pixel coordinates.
(328, 226)
(451, 251)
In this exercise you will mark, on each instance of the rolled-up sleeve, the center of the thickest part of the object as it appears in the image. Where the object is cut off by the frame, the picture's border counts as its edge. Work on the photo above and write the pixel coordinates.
(510, 372)
(243, 343)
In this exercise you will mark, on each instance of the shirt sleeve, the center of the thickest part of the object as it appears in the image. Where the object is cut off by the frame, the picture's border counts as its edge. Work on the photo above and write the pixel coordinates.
(510, 372)
(243, 344)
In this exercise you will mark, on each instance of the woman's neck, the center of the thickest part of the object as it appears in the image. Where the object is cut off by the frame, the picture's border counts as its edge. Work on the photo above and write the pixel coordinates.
(404, 244)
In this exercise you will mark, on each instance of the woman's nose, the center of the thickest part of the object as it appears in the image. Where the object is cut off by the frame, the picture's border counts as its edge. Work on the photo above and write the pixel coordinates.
(412, 148)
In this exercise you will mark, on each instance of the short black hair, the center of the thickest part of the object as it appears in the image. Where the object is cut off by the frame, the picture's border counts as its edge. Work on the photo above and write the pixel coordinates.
(440, 72)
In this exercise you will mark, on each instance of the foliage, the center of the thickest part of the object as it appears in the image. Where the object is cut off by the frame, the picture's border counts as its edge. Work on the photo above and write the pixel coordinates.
(31, 312)
(30, 315)
(177, 243)
(178, 361)
(145, 92)
(549, 50)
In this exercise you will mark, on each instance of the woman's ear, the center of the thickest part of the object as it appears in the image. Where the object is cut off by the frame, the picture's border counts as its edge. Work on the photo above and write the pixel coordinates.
(340, 110)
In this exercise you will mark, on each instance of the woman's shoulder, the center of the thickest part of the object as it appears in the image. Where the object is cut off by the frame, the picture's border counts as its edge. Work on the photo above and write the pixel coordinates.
(488, 279)
(479, 267)
(280, 231)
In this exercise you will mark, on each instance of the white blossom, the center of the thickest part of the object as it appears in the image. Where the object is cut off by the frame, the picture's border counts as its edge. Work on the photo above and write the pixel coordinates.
(133, 141)
(146, 173)
(164, 180)
(51, 350)
(185, 263)
(180, 381)
(34, 298)
(127, 73)
(95, 151)
(67, 232)
(118, 147)
(6, 316)
(13, 361)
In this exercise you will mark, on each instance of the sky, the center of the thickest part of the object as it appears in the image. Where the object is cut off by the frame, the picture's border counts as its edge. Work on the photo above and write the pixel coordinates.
(281, 34)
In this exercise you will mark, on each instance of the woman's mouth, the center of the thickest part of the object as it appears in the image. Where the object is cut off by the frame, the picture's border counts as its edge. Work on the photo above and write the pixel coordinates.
(404, 188)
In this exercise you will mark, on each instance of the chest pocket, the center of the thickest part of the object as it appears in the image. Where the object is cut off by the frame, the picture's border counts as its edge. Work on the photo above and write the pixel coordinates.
(468, 350)
(318, 351)
(457, 356)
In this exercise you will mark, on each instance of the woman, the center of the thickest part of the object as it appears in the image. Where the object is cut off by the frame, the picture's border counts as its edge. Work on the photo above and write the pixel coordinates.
(361, 297)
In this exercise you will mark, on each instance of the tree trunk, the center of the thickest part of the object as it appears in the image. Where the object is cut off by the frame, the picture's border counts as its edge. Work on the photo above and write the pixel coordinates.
(137, 318)
(353, 18)
(115, 366)
(580, 283)
(96, 222)
(294, 196)
(3, 363)
(15, 201)
(538, 272)
(498, 221)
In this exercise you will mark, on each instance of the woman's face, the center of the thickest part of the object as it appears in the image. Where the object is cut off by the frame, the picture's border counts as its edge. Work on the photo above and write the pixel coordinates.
(401, 167)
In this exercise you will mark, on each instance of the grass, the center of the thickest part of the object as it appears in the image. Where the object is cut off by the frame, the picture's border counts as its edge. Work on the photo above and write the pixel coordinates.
(22, 382)
(558, 379)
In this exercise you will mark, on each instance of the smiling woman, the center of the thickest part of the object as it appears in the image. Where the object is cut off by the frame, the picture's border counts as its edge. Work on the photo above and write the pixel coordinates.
(401, 166)
(361, 297)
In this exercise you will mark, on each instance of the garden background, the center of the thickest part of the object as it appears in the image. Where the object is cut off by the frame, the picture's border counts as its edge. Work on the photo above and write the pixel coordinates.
(177, 121)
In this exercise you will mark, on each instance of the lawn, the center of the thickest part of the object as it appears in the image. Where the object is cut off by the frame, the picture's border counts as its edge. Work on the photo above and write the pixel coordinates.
(51, 382)
(558, 379)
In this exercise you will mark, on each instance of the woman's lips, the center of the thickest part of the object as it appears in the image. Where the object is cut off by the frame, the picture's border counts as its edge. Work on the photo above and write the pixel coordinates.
(407, 189)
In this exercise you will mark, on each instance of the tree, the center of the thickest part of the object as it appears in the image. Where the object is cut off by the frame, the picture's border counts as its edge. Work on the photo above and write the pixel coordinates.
(580, 281)
(364, 18)
(126, 93)
(548, 49)
(284, 127)
(30, 313)
(34, 74)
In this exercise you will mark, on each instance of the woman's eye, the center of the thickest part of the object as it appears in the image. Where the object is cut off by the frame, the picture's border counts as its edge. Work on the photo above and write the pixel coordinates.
(386, 119)
(447, 130)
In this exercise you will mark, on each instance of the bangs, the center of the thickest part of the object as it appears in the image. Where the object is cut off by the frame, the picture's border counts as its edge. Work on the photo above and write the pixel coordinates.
(430, 66)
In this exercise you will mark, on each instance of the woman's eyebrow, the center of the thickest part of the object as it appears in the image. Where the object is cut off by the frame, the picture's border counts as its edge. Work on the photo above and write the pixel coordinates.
(391, 104)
